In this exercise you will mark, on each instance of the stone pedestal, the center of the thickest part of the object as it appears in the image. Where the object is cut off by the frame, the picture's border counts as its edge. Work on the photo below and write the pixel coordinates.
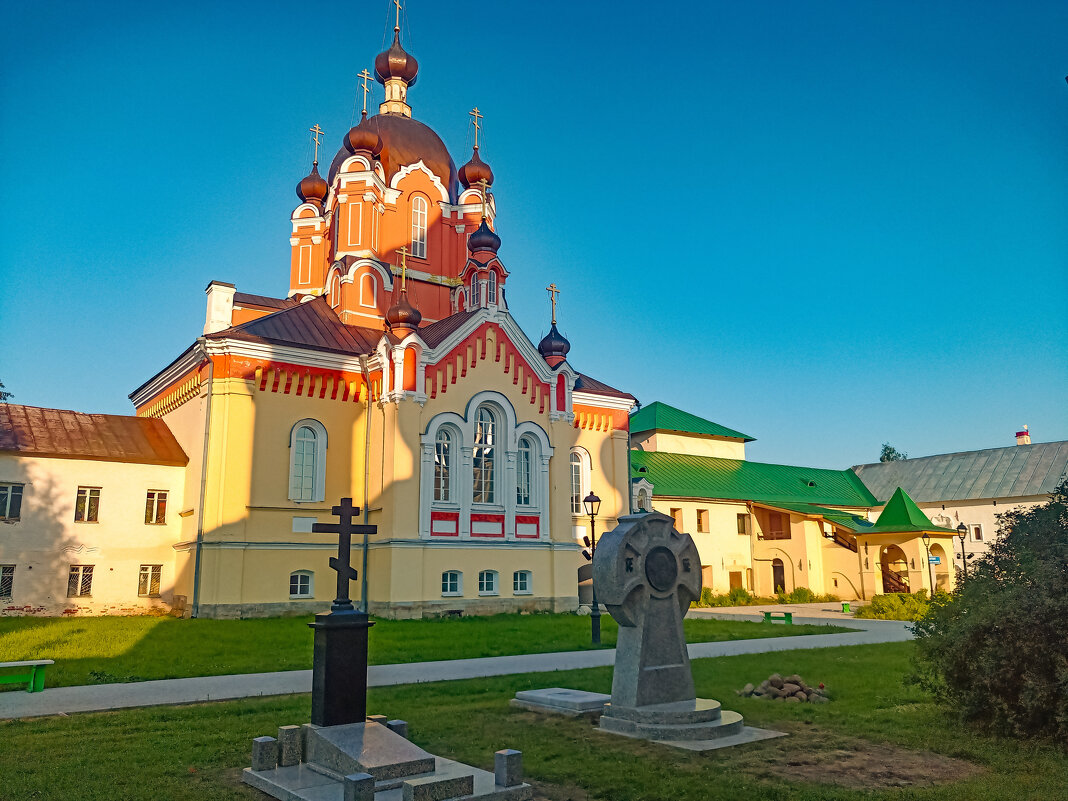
(339, 672)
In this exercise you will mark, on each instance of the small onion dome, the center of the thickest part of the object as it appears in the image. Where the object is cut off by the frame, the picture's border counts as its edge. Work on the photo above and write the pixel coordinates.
(312, 188)
(554, 347)
(403, 314)
(396, 63)
(363, 137)
(474, 171)
(483, 239)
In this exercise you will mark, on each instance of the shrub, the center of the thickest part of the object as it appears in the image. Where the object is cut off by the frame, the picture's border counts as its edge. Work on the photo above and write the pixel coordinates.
(997, 650)
(740, 597)
(896, 606)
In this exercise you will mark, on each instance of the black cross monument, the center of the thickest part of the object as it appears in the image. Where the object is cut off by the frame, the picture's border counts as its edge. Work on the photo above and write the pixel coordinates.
(339, 666)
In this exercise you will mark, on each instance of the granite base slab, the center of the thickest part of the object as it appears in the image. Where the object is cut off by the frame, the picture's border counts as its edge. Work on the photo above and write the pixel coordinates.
(561, 701)
(748, 734)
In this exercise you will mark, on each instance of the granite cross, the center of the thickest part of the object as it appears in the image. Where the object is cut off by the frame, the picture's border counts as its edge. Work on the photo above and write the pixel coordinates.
(344, 528)
(646, 574)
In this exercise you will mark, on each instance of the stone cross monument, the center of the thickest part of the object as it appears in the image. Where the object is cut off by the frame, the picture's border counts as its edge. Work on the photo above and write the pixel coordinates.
(646, 574)
(339, 661)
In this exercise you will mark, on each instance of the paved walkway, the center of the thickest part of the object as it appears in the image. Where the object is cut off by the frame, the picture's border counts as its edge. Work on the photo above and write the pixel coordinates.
(98, 697)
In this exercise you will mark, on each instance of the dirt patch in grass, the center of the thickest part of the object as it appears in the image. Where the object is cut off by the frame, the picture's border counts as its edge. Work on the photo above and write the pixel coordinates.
(814, 757)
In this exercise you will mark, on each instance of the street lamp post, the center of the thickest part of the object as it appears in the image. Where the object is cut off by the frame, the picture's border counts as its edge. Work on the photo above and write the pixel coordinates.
(927, 544)
(962, 532)
(593, 506)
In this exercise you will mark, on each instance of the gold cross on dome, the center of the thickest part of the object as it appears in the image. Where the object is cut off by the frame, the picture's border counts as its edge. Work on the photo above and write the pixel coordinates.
(476, 115)
(404, 267)
(316, 133)
(553, 292)
(364, 77)
(482, 182)
(398, 5)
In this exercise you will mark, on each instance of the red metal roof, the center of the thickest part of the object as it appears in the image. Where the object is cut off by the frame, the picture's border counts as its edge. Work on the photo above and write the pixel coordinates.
(33, 431)
(245, 299)
(310, 325)
(586, 384)
(436, 333)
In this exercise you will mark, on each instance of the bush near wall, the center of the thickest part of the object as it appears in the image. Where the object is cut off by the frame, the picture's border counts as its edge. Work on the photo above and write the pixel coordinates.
(897, 606)
(739, 597)
(997, 650)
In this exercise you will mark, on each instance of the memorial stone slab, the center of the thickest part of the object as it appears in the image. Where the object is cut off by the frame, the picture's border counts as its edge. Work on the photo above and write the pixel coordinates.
(264, 753)
(508, 767)
(289, 745)
(433, 788)
(561, 701)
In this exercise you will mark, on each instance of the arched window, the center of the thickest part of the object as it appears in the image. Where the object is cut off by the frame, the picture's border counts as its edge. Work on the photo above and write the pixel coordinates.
(443, 466)
(419, 227)
(643, 501)
(301, 584)
(580, 479)
(487, 583)
(491, 287)
(368, 291)
(484, 458)
(452, 582)
(335, 292)
(307, 461)
(476, 294)
(524, 473)
(522, 583)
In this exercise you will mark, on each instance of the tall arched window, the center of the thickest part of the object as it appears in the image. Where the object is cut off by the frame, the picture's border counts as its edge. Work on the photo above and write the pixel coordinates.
(368, 291)
(419, 227)
(580, 479)
(443, 466)
(476, 294)
(524, 473)
(491, 287)
(335, 292)
(484, 457)
(307, 461)
(643, 501)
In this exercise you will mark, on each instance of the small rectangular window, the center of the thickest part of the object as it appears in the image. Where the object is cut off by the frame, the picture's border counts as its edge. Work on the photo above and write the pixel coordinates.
(80, 581)
(521, 582)
(676, 515)
(10, 501)
(300, 585)
(487, 583)
(778, 527)
(743, 524)
(977, 533)
(156, 508)
(450, 582)
(148, 580)
(702, 521)
(7, 580)
(87, 507)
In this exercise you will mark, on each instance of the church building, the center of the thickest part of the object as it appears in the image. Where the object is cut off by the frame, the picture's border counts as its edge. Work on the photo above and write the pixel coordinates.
(393, 373)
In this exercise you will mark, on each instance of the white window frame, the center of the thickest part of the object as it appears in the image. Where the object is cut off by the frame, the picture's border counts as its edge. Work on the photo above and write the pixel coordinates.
(154, 573)
(491, 287)
(374, 291)
(578, 466)
(521, 577)
(493, 445)
(420, 222)
(644, 502)
(445, 490)
(9, 491)
(87, 492)
(447, 583)
(476, 292)
(972, 528)
(525, 461)
(318, 491)
(81, 571)
(355, 213)
(489, 583)
(153, 501)
(298, 575)
(335, 292)
(7, 577)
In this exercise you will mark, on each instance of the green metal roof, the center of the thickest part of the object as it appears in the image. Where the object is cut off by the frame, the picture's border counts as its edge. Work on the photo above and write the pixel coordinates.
(662, 417)
(686, 476)
(902, 514)
(847, 520)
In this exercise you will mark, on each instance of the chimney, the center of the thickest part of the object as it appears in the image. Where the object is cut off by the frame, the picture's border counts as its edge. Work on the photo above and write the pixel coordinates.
(220, 306)
(1023, 437)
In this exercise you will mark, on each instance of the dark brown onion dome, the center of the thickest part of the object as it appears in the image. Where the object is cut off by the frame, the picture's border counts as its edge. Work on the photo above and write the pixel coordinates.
(474, 171)
(312, 188)
(554, 347)
(483, 239)
(396, 63)
(403, 314)
(363, 137)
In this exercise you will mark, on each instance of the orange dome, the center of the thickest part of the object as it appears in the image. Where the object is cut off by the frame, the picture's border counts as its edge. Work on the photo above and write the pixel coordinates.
(396, 63)
(475, 170)
(312, 188)
(363, 137)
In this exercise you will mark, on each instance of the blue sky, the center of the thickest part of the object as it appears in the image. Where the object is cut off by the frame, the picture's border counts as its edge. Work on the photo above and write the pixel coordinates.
(826, 224)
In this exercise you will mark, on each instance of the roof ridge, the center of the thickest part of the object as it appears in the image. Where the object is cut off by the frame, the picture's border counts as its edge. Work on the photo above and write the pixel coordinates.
(962, 453)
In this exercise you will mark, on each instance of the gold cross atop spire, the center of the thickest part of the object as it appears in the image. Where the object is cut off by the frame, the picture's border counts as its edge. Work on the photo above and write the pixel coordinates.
(365, 78)
(483, 183)
(553, 292)
(404, 268)
(398, 5)
(476, 115)
(316, 133)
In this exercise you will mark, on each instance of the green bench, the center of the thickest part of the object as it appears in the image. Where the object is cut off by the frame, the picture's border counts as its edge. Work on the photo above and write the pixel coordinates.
(785, 617)
(34, 679)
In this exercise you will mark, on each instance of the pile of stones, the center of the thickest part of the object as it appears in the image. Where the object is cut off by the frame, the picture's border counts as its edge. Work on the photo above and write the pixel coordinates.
(791, 688)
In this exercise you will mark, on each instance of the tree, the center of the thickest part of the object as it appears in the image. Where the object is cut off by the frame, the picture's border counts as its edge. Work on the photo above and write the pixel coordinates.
(996, 649)
(4, 395)
(891, 454)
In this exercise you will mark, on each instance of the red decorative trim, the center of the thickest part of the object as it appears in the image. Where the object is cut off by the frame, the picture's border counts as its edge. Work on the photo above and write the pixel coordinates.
(453, 517)
(527, 520)
(488, 518)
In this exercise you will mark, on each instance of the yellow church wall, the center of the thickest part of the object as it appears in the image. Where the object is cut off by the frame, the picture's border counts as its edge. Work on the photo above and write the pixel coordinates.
(46, 541)
(692, 445)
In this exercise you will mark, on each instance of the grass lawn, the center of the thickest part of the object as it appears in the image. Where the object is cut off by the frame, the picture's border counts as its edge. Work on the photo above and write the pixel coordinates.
(879, 740)
(93, 650)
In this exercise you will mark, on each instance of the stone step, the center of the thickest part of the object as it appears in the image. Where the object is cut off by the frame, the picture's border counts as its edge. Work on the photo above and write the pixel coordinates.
(728, 724)
(695, 710)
